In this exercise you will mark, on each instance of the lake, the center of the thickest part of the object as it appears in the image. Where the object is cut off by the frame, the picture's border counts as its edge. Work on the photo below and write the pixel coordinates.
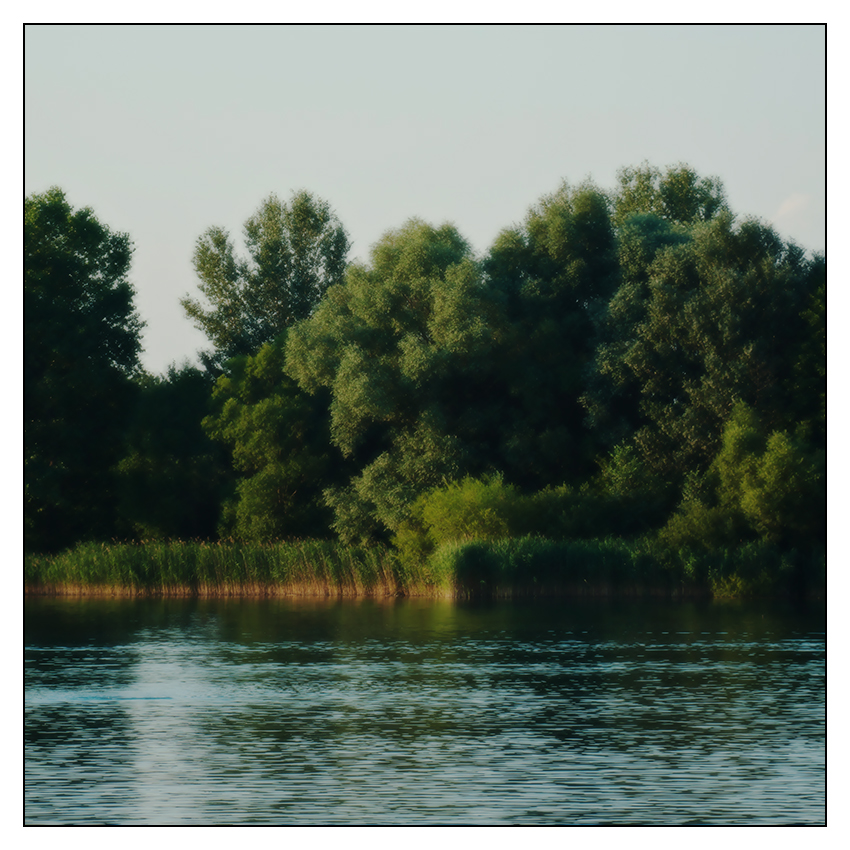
(423, 712)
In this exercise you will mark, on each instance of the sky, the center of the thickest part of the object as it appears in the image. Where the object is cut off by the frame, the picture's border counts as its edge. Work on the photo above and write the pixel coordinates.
(167, 130)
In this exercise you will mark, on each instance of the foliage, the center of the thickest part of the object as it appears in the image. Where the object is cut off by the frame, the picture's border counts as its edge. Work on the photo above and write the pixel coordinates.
(296, 251)
(309, 567)
(767, 486)
(552, 275)
(278, 440)
(172, 476)
(322, 568)
(776, 481)
(501, 567)
(490, 509)
(535, 565)
(397, 346)
(698, 329)
(81, 346)
(677, 195)
(630, 380)
(806, 396)
(470, 509)
(757, 568)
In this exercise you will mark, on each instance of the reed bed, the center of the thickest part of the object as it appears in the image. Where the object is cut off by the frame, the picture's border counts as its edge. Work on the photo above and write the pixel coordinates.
(501, 568)
(225, 568)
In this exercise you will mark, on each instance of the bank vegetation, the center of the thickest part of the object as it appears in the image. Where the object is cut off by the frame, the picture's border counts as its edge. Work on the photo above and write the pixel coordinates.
(626, 391)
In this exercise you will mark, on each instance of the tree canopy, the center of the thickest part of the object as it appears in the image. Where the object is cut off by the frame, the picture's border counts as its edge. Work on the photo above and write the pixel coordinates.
(553, 274)
(397, 345)
(703, 318)
(277, 437)
(636, 363)
(678, 195)
(171, 477)
(81, 347)
(295, 252)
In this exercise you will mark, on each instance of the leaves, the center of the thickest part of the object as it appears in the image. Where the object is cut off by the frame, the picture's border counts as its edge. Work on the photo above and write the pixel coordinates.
(278, 440)
(296, 252)
(391, 346)
(81, 347)
(677, 195)
(698, 323)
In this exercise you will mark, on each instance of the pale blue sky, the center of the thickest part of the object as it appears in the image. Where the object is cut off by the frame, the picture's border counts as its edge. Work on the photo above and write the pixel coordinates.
(167, 130)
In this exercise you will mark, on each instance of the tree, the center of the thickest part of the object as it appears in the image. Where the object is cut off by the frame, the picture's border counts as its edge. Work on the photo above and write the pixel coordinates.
(776, 480)
(806, 390)
(652, 211)
(678, 195)
(296, 252)
(171, 477)
(761, 484)
(554, 273)
(278, 439)
(404, 349)
(81, 347)
(612, 392)
(705, 316)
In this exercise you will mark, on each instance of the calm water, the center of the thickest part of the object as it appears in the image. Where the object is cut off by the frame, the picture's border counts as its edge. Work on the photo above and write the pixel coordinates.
(423, 712)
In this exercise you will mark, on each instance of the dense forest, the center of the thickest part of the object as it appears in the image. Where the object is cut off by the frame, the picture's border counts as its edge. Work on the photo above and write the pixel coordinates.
(638, 366)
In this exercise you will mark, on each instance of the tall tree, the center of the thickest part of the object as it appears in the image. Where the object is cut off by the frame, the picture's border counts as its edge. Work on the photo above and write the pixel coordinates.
(807, 386)
(705, 316)
(677, 195)
(81, 347)
(768, 485)
(296, 251)
(554, 273)
(404, 348)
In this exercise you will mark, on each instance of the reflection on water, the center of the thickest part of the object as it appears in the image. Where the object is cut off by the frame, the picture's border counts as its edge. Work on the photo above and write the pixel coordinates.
(422, 712)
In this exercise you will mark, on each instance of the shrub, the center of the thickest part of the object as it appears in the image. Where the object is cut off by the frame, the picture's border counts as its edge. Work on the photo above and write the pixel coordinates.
(470, 509)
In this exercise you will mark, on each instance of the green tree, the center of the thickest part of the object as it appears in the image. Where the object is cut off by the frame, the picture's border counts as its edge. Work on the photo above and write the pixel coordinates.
(806, 389)
(470, 509)
(296, 251)
(279, 443)
(172, 476)
(653, 211)
(403, 348)
(704, 317)
(81, 347)
(763, 484)
(776, 480)
(677, 195)
(553, 273)
(612, 393)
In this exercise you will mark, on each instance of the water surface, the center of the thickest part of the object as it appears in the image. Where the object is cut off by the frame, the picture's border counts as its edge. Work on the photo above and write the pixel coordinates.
(422, 712)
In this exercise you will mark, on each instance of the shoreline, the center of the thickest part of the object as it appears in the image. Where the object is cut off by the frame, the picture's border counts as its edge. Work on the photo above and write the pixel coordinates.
(510, 568)
(506, 593)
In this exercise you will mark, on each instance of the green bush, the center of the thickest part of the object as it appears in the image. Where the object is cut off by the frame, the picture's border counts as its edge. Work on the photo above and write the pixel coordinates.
(470, 509)
(699, 527)
(488, 509)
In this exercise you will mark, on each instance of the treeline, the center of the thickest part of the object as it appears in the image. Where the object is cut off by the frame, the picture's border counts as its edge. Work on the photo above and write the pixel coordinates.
(635, 365)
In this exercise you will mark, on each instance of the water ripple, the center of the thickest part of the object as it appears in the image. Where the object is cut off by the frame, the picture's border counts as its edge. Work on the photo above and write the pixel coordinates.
(421, 714)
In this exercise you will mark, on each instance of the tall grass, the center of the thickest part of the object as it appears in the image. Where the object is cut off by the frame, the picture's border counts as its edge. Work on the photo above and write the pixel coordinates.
(499, 568)
(539, 566)
(176, 568)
